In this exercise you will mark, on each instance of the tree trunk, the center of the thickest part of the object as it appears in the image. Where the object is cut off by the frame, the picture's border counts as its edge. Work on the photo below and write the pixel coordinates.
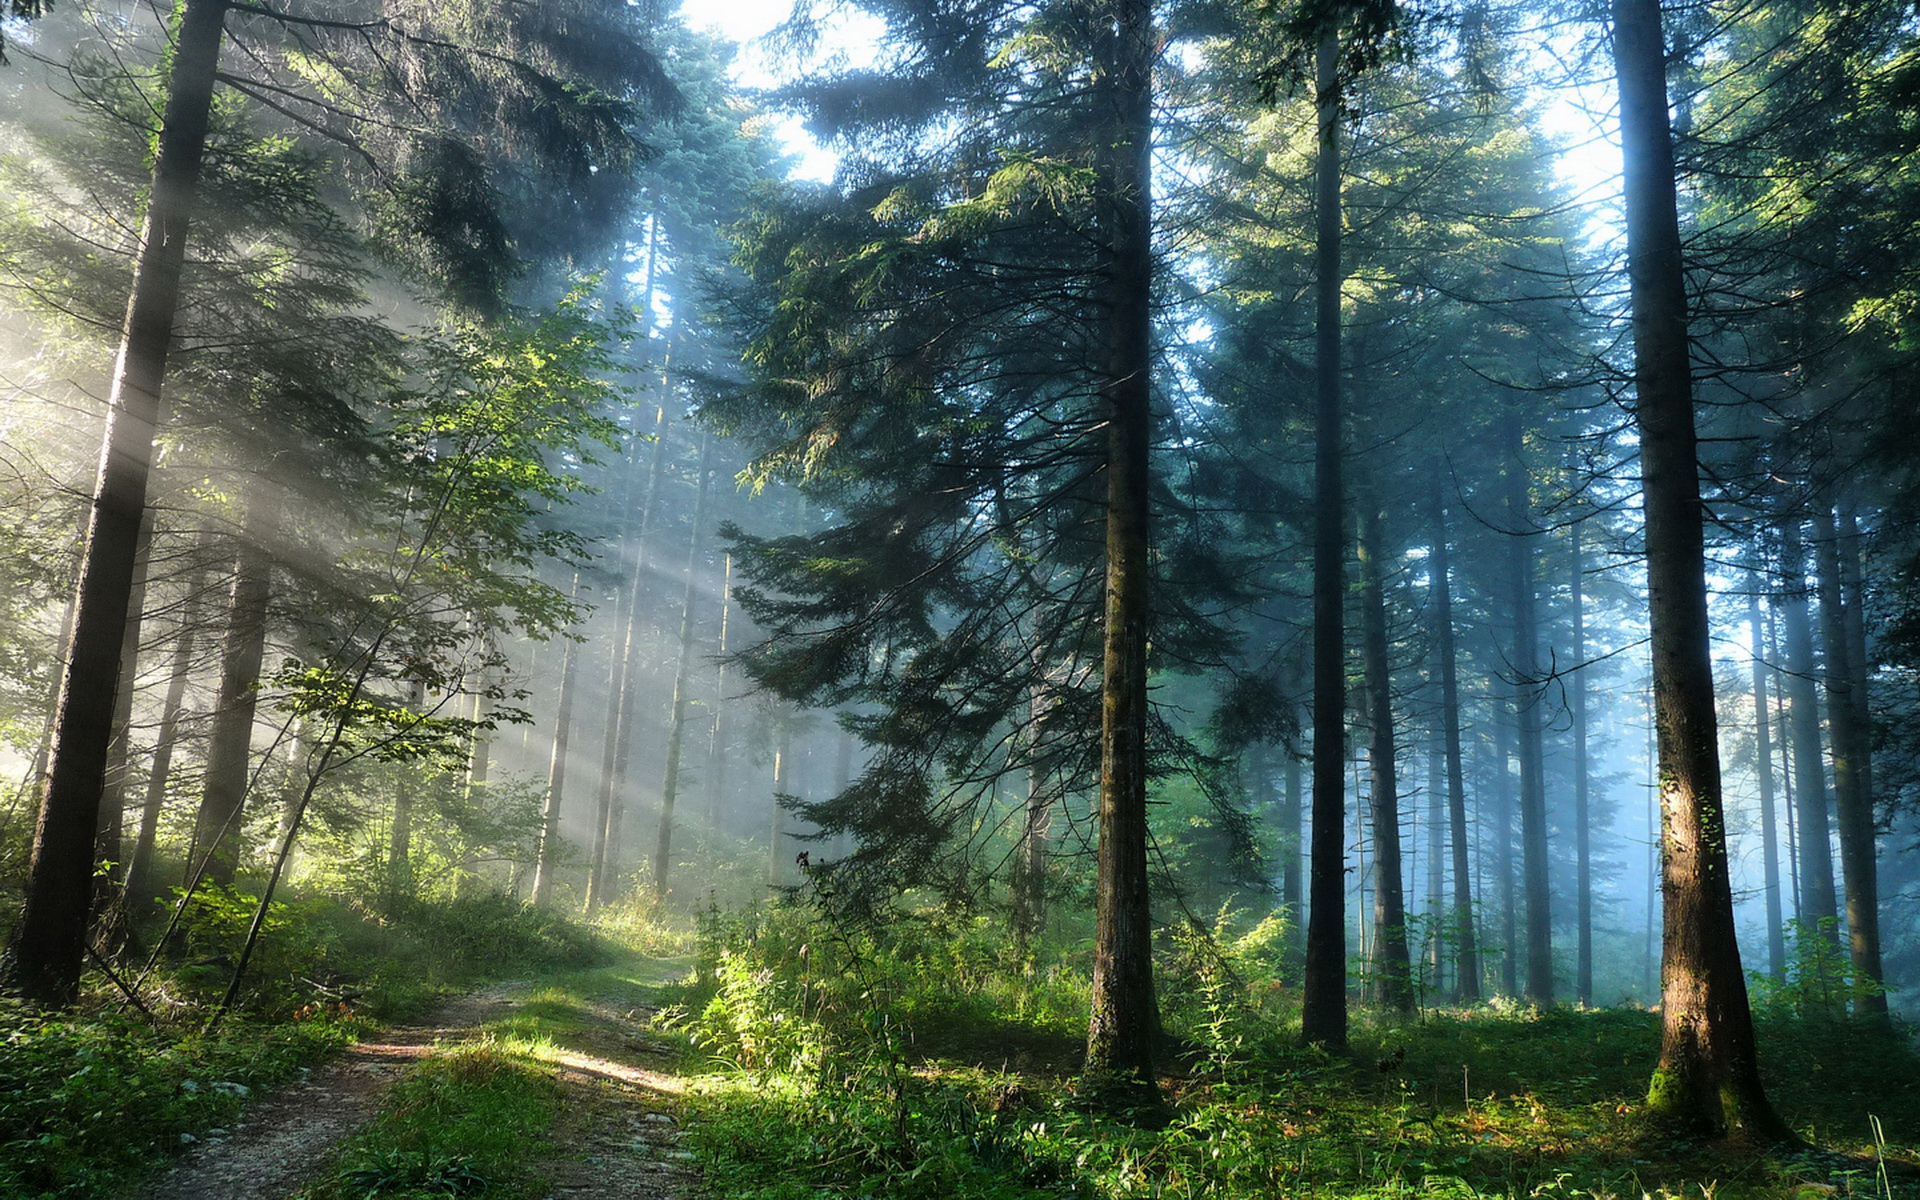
(682, 684)
(1763, 771)
(1582, 822)
(1709, 1076)
(717, 738)
(113, 800)
(1292, 848)
(547, 865)
(217, 829)
(1528, 700)
(1503, 756)
(140, 886)
(43, 957)
(619, 665)
(1030, 870)
(1814, 839)
(1468, 988)
(1323, 1014)
(1124, 1018)
(1393, 968)
(1858, 862)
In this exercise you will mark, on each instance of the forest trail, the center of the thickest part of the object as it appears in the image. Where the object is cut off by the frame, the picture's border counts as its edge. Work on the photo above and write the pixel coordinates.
(615, 1138)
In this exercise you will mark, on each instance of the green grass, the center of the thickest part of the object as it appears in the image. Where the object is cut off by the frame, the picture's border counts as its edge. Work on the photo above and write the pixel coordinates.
(88, 1101)
(888, 1074)
(463, 1123)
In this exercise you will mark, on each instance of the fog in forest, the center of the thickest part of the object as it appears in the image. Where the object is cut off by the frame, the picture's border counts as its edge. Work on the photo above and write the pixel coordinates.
(1161, 501)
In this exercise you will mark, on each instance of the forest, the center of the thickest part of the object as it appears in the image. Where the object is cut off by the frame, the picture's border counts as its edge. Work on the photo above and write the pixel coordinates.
(959, 598)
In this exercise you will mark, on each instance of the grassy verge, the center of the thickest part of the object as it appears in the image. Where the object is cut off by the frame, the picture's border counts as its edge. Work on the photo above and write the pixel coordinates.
(90, 1100)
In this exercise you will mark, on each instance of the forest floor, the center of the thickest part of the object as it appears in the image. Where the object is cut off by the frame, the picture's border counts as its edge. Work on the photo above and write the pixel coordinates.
(611, 1127)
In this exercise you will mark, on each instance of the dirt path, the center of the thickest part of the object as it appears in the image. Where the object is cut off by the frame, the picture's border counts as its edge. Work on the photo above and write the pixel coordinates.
(617, 1137)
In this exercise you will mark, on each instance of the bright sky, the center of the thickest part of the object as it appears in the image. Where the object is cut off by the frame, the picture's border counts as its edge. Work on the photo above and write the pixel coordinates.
(745, 21)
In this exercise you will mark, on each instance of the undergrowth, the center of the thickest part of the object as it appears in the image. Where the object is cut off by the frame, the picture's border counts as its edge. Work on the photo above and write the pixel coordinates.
(91, 1098)
(883, 1064)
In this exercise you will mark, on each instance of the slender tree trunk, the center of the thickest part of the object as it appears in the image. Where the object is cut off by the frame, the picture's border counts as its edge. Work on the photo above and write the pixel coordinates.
(1292, 854)
(1030, 872)
(1503, 858)
(682, 684)
(217, 829)
(1817, 908)
(1858, 855)
(1323, 1016)
(717, 739)
(619, 665)
(1582, 818)
(140, 885)
(1124, 1019)
(1792, 850)
(1763, 771)
(1709, 1075)
(1468, 988)
(547, 865)
(1393, 968)
(1528, 700)
(777, 873)
(43, 957)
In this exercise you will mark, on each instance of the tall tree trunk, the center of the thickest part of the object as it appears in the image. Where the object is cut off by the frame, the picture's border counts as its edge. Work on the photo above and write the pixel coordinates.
(1814, 838)
(777, 873)
(1124, 1018)
(1709, 1074)
(1528, 700)
(217, 828)
(1292, 854)
(113, 800)
(1858, 862)
(140, 885)
(43, 957)
(1030, 870)
(1582, 822)
(682, 684)
(1393, 968)
(619, 666)
(1763, 771)
(717, 737)
(547, 865)
(1503, 757)
(1468, 987)
(1323, 1014)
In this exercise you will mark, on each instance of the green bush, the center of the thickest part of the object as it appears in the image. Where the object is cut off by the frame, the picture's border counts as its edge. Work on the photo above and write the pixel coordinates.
(87, 1101)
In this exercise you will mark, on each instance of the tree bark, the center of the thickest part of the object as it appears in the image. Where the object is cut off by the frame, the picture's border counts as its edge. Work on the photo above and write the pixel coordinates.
(217, 828)
(1393, 968)
(1467, 988)
(43, 957)
(1763, 771)
(113, 800)
(1582, 786)
(140, 886)
(1708, 1078)
(1323, 1015)
(1528, 699)
(619, 665)
(682, 684)
(1818, 911)
(1858, 862)
(1124, 1018)
(717, 737)
(547, 865)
